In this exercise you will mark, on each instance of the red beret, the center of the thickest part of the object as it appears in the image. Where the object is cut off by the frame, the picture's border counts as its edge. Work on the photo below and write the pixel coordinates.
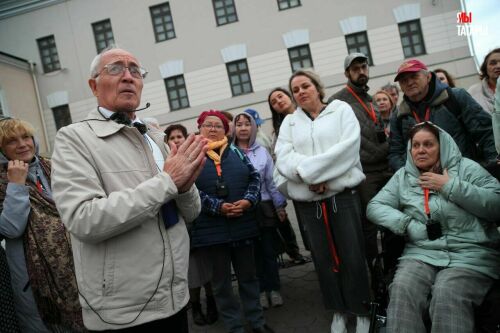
(213, 113)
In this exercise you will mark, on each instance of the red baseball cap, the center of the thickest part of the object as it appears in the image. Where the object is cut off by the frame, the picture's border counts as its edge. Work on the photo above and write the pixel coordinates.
(410, 66)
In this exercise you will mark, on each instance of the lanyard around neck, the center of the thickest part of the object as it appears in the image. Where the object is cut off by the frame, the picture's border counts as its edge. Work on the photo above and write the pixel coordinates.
(370, 111)
(426, 203)
(218, 169)
(427, 115)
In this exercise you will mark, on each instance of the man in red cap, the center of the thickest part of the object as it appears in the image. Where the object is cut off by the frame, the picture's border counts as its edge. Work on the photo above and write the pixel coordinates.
(453, 109)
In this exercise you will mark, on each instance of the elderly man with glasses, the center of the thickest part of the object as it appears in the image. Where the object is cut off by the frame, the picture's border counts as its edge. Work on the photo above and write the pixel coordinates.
(125, 199)
(453, 109)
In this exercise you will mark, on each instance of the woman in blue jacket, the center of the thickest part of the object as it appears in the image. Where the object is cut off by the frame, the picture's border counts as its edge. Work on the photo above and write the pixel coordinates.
(446, 206)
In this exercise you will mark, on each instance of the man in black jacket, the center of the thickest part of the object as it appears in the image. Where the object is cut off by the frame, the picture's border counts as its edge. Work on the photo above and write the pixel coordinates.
(453, 109)
(374, 147)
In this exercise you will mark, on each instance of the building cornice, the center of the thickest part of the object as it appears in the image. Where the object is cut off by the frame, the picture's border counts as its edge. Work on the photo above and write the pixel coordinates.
(12, 60)
(11, 8)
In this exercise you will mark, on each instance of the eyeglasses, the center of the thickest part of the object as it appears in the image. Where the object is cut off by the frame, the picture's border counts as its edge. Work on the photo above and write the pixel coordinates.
(423, 123)
(118, 69)
(210, 126)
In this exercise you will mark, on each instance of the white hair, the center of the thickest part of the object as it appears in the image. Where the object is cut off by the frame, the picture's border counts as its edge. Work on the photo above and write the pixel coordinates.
(94, 65)
(152, 122)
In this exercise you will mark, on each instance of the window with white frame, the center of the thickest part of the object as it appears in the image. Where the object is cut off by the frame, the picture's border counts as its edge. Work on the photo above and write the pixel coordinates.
(358, 42)
(300, 57)
(48, 54)
(239, 77)
(62, 116)
(103, 34)
(287, 4)
(163, 23)
(411, 38)
(225, 11)
(177, 92)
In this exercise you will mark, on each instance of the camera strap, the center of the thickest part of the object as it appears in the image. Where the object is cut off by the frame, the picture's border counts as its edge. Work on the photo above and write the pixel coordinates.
(370, 111)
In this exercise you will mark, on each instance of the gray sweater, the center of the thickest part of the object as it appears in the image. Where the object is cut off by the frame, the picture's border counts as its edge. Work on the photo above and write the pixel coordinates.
(373, 154)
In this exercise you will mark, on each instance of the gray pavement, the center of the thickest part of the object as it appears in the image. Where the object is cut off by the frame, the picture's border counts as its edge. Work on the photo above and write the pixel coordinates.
(303, 309)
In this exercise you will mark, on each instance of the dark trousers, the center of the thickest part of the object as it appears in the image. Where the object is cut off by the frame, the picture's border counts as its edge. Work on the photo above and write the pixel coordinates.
(8, 319)
(266, 260)
(242, 259)
(177, 323)
(367, 190)
(302, 229)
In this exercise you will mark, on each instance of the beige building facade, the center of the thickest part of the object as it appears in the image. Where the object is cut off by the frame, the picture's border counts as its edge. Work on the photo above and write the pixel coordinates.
(19, 96)
(191, 46)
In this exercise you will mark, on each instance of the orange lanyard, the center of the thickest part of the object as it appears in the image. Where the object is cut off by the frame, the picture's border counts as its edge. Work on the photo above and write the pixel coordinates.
(370, 111)
(427, 115)
(218, 169)
(426, 203)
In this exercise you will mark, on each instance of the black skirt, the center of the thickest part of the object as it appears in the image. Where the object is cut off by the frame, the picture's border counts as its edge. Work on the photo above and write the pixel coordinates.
(337, 249)
(8, 318)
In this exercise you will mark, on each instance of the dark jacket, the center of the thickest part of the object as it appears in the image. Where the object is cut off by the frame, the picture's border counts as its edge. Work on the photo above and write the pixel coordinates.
(470, 125)
(373, 153)
(243, 182)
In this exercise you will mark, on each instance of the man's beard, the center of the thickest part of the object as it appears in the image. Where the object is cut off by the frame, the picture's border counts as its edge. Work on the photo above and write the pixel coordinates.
(361, 81)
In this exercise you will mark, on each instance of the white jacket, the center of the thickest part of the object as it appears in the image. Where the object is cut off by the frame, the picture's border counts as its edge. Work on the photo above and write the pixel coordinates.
(311, 152)
(108, 191)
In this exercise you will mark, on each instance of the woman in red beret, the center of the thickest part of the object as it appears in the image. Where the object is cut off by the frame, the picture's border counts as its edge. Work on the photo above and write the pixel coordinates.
(229, 188)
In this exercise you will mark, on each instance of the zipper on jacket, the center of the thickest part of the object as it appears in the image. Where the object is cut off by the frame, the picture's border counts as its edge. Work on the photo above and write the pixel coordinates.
(312, 138)
(173, 269)
(104, 293)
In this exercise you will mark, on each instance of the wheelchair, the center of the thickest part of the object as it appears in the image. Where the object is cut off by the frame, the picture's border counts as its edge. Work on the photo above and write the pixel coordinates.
(487, 315)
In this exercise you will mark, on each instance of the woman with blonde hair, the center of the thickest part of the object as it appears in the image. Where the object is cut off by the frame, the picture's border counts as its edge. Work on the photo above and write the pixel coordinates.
(38, 249)
(385, 106)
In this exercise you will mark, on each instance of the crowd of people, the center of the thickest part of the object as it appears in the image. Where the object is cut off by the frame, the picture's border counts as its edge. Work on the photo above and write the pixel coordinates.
(126, 224)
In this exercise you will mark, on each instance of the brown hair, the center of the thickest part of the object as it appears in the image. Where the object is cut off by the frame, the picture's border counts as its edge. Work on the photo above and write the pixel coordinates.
(449, 78)
(425, 126)
(278, 117)
(175, 127)
(483, 69)
(314, 79)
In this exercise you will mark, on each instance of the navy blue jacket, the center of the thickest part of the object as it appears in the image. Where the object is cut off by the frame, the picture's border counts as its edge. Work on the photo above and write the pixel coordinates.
(469, 126)
(243, 182)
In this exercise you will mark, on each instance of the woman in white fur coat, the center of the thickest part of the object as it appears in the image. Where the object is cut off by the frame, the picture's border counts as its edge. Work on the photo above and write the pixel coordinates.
(318, 166)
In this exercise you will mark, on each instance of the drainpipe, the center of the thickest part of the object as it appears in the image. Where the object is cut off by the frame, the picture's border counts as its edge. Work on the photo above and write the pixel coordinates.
(40, 107)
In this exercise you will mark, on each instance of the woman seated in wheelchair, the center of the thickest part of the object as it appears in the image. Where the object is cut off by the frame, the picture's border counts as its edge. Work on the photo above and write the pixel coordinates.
(446, 206)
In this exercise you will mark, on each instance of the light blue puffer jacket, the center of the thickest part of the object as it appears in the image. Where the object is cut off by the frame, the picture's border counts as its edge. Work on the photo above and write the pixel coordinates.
(467, 206)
